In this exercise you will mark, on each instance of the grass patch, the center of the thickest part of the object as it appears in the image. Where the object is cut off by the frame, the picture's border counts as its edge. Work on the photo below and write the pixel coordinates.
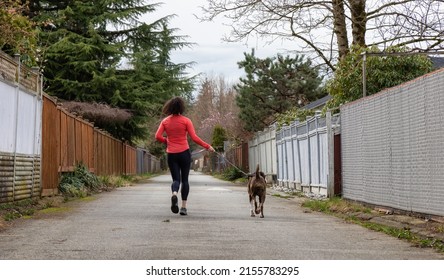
(439, 229)
(113, 181)
(407, 235)
(335, 205)
(25, 208)
(88, 198)
(14, 210)
(52, 210)
(9, 216)
(19, 204)
(348, 211)
(286, 196)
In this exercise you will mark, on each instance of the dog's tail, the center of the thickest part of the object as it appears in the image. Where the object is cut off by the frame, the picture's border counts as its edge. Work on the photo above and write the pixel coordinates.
(257, 172)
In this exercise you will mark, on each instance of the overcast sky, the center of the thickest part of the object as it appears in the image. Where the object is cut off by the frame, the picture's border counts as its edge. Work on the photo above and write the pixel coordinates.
(212, 56)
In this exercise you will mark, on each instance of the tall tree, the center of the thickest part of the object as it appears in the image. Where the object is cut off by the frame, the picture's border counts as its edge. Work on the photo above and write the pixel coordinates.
(273, 86)
(219, 136)
(384, 70)
(321, 28)
(100, 51)
(17, 33)
(215, 105)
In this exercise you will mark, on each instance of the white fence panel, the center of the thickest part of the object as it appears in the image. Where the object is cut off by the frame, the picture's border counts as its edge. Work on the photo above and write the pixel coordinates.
(20, 123)
(314, 160)
(289, 159)
(323, 159)
(20, 127)
(303, 157)
(262, 151)
(27, 122)
(305, 162)
(296, 161)
(8, 117)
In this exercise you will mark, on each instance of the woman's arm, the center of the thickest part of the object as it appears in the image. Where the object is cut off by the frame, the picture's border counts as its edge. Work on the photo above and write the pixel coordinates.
(195, 138)
(159, 133)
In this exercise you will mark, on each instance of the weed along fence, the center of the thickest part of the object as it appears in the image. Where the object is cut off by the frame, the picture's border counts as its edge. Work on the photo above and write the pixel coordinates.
(69, 140)
(392, 146)
(20, 126)
(306, 155)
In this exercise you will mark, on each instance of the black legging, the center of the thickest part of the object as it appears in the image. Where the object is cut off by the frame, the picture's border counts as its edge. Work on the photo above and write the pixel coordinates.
(180, 164)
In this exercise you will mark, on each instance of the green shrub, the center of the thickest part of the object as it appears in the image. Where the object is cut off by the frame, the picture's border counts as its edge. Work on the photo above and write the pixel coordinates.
(232, 174)
(79, 183)
(12, 216)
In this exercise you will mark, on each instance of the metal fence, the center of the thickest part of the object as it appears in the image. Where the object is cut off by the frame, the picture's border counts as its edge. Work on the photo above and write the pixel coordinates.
(305, 155)
(146, 162)
(20, 127)
(392, 146)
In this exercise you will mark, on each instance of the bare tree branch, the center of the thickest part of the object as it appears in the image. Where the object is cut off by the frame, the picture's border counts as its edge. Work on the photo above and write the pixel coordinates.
(412, 23)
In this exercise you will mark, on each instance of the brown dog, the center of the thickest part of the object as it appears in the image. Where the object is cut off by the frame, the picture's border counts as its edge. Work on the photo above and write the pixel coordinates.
(257, 186)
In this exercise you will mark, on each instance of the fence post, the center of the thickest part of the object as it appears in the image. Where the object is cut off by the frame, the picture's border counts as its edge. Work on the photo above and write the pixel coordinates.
(17, 89)
(331, 153)
(364, 74)
(309, 153)
(318, 146)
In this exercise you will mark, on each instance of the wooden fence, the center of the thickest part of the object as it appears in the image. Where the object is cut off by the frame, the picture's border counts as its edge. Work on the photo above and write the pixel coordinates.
(239, 157)
(68, 140)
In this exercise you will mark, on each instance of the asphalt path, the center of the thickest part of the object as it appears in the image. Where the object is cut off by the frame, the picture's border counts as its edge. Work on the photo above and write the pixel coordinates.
(136, 223)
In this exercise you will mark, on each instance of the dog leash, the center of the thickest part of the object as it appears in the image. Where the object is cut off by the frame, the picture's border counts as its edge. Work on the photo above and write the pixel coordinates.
(232, 164)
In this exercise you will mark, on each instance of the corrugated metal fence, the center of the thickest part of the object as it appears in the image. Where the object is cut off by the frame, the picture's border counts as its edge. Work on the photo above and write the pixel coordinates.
(392, 147)
(146, 162)
(20, 128)
(305, 155)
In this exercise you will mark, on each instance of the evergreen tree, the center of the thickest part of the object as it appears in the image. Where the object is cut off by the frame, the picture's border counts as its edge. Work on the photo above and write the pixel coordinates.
(219, 136)
(273, 86)
(99, 51)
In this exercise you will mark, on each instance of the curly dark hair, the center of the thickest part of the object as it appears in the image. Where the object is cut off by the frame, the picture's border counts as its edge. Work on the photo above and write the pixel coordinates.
(174, 106)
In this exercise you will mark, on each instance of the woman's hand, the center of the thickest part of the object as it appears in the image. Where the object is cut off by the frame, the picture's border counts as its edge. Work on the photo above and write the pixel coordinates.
(211, 149)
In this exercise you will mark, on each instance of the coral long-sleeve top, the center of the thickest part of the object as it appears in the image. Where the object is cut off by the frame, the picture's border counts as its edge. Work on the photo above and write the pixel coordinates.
(176, 128)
